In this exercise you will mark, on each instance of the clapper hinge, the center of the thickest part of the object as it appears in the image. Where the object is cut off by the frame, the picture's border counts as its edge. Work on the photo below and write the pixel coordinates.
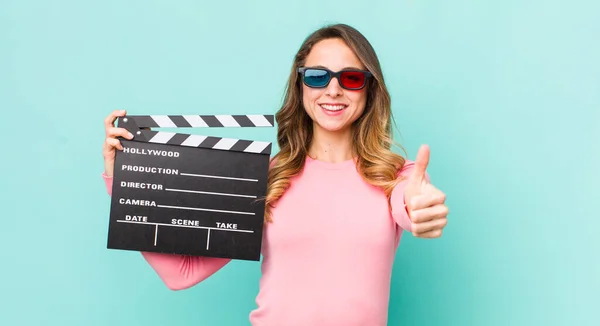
(132, 127)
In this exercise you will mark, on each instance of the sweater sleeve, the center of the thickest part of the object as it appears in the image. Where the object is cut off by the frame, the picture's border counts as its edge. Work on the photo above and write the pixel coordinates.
(399, 210)
(178, 272)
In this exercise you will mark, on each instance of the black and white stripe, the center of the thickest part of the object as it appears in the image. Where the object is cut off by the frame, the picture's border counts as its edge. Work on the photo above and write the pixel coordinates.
(228, 144)
(197, 121)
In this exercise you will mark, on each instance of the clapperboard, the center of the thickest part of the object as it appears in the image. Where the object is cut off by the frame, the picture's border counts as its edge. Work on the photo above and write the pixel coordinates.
(189, 194)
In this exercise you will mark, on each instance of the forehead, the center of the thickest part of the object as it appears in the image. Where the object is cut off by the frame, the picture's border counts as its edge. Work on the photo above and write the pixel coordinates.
(333, 54)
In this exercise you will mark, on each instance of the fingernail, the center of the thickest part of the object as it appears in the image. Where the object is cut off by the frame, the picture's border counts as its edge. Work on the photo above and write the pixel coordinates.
(130, 135)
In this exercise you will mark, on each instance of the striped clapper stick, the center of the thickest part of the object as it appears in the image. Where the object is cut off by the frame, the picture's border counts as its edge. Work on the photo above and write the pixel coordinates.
(189, 194)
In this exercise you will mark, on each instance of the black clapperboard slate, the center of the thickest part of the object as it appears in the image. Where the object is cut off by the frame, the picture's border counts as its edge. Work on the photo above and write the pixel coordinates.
(189, 194)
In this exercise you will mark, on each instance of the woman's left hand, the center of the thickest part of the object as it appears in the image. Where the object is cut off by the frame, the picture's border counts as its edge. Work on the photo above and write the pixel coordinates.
(424, 202)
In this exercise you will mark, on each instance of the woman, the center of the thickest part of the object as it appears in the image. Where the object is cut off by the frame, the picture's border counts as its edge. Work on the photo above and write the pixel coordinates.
(338, 198)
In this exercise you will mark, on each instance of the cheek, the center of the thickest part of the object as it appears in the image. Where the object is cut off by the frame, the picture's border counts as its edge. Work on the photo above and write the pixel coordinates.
(309, 96)
(359, 99)
(360, 96)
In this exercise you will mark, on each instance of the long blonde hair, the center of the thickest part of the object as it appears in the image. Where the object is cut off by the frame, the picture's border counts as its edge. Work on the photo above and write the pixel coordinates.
(372, 132)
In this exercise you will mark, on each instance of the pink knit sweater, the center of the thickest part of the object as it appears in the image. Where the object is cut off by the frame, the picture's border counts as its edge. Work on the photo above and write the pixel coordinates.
(327, 257)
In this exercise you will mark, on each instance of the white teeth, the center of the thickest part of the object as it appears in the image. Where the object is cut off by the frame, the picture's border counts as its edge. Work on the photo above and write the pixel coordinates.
(332, 107)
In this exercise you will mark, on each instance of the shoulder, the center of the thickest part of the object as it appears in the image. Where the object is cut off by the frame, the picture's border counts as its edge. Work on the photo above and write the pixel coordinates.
(406, 169)
(272, 161)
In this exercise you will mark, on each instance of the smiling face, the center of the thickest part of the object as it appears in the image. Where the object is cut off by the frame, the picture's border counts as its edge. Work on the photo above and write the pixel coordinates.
(333, 108)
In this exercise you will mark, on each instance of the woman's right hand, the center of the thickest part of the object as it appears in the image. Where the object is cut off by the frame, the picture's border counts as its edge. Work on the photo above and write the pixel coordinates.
(111, 143)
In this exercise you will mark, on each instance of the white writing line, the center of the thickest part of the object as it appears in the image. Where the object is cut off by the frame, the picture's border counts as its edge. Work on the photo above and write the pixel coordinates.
(155, 232)
(217, 177)
(209, 193)
(206, 209)
(185, 226)
(139, 202)
(207, 239)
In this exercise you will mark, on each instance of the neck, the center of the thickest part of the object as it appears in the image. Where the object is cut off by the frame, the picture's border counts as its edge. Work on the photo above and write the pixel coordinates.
(332, 147)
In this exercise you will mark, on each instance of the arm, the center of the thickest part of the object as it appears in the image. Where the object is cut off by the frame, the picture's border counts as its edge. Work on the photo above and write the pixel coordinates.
(178, 272)
(399, 209)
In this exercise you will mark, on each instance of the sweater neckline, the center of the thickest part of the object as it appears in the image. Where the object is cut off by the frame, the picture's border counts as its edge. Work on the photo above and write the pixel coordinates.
(330, 165)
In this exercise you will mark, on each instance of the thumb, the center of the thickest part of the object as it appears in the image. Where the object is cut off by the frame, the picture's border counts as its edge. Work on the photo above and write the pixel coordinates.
(421, 162)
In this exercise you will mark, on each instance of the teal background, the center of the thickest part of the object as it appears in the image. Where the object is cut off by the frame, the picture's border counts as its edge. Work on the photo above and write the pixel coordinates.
(506, 93)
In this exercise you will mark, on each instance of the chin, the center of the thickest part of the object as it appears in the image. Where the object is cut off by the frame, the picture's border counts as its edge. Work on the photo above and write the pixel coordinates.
(331, 129)
(332, 126)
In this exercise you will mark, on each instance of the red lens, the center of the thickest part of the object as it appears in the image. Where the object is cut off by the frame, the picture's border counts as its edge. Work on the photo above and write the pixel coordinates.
(352, 79)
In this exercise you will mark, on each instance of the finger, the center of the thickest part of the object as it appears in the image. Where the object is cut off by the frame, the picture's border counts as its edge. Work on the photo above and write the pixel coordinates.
(429, 213)
(421, 162)
(428, 226)
(114, 132)
(110, 120)
(114, 143)
(431, 197)
(429, 235)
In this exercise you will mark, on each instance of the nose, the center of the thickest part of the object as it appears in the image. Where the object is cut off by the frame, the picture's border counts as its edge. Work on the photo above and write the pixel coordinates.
(334, 89)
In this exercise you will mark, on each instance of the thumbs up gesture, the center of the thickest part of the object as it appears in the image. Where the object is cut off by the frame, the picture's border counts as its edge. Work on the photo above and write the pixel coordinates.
(425, 203)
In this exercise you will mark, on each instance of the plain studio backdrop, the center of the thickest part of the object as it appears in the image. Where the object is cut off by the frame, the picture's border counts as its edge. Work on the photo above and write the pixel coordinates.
(506, 93)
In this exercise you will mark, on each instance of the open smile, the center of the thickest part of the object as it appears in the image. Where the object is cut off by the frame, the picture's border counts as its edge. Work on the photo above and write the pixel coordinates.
(333, 107)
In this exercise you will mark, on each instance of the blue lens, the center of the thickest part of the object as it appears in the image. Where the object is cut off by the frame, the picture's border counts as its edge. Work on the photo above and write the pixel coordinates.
(316, 77)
